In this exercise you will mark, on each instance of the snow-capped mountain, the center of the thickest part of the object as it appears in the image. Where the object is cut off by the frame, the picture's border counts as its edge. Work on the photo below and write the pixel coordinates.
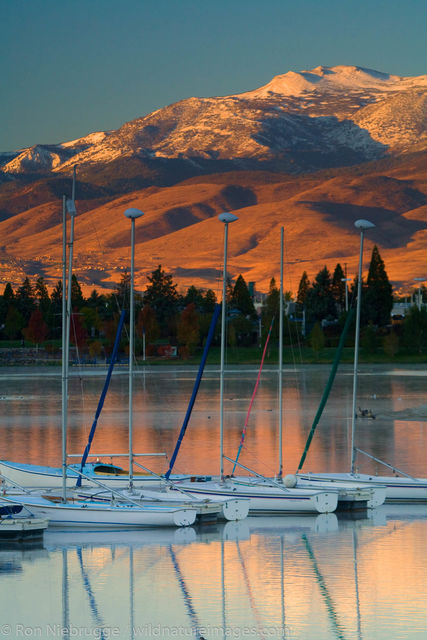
(325, 117)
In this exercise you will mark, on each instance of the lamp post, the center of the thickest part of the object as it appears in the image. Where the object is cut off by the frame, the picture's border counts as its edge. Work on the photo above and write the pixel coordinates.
(226, 218)
(345, 280)
(362, 225)
(419, 280)
(133, 214)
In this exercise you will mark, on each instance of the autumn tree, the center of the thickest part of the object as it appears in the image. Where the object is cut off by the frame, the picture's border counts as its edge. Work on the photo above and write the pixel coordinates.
(37, 329)
(317, 338)
(14, 323)
(78, 333)
(147, 324)
(188, 330)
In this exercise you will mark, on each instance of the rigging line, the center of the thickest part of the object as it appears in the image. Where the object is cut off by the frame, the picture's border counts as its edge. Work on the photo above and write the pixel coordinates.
(299, 345)
(92, 601)
(324, 591)
(242, 439)
(252, 599)
(79, 362)
(192, 614)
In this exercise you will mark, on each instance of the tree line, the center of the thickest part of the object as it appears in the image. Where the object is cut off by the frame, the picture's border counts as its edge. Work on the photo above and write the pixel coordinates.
(164, 315)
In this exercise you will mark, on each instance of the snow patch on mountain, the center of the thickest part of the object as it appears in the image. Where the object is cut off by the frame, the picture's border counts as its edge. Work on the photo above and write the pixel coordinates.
(327, 116)
(326, 79)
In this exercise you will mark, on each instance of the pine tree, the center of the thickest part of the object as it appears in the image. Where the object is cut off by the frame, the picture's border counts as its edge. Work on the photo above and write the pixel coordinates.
(270, 310)
(77, 299)
(378, 300)
(338, 287)
(161, 294)
(24, 300)
(241, 299)
(5, 301)
(42, 296)
(303, 289)
(319, 301)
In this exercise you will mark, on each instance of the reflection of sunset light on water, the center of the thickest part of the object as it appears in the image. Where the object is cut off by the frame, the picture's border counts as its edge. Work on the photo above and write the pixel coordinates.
(273, 576)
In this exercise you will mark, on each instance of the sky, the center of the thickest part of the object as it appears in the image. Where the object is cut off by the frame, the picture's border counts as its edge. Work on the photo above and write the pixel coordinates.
(72, 67)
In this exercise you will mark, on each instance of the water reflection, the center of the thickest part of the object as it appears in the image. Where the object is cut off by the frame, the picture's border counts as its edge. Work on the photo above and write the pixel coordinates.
(31, 403)
(308, 577)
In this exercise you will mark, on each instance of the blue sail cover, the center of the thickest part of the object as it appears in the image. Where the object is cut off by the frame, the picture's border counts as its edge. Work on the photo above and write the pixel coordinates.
(195, 389)
(103, 394)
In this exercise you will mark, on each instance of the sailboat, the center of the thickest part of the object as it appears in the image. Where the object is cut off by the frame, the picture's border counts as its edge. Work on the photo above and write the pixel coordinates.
(266, 495)
(398, 488)
(69, 511)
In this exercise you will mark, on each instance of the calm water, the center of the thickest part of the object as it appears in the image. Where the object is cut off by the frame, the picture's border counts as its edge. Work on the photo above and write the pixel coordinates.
(285, 577)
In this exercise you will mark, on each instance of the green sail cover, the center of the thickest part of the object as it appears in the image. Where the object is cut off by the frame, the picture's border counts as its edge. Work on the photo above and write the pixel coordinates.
(327, 389)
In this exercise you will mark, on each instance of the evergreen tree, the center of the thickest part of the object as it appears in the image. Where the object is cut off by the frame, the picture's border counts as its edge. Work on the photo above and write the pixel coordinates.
(54, 319)
(77, 299)
(378, 300)
(42, 296)
(241, 299)
(8, 294)
(24, 300)
(338, 287)
(161, 294)
(303, 289)
(208, 302)
(415, 330)
(122, 291)
(5, 301)
(193, 296)
(319, 301)
(270, 310)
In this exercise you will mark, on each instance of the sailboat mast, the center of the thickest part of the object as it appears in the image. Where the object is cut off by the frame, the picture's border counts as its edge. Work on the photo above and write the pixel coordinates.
(132, 214)
(66, 297)
(226, 218)
(363, 225)
(64, 364)
(280, 382)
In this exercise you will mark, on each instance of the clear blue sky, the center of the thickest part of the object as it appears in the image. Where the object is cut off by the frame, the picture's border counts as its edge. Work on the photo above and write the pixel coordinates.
(70, 67)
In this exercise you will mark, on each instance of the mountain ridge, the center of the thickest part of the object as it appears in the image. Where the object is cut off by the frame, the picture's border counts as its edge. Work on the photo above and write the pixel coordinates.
(324, 147)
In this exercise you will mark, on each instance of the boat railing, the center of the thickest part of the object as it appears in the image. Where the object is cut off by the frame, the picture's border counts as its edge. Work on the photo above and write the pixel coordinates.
(116, 455)
(170, 483)
(385, 464)
(265, 480)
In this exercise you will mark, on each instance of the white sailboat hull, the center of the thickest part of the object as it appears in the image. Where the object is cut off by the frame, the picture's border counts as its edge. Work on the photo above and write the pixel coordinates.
(92, 514)
(267, 499)
(224, 509)
(397, 489)
(373, 495)
(31, 475)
